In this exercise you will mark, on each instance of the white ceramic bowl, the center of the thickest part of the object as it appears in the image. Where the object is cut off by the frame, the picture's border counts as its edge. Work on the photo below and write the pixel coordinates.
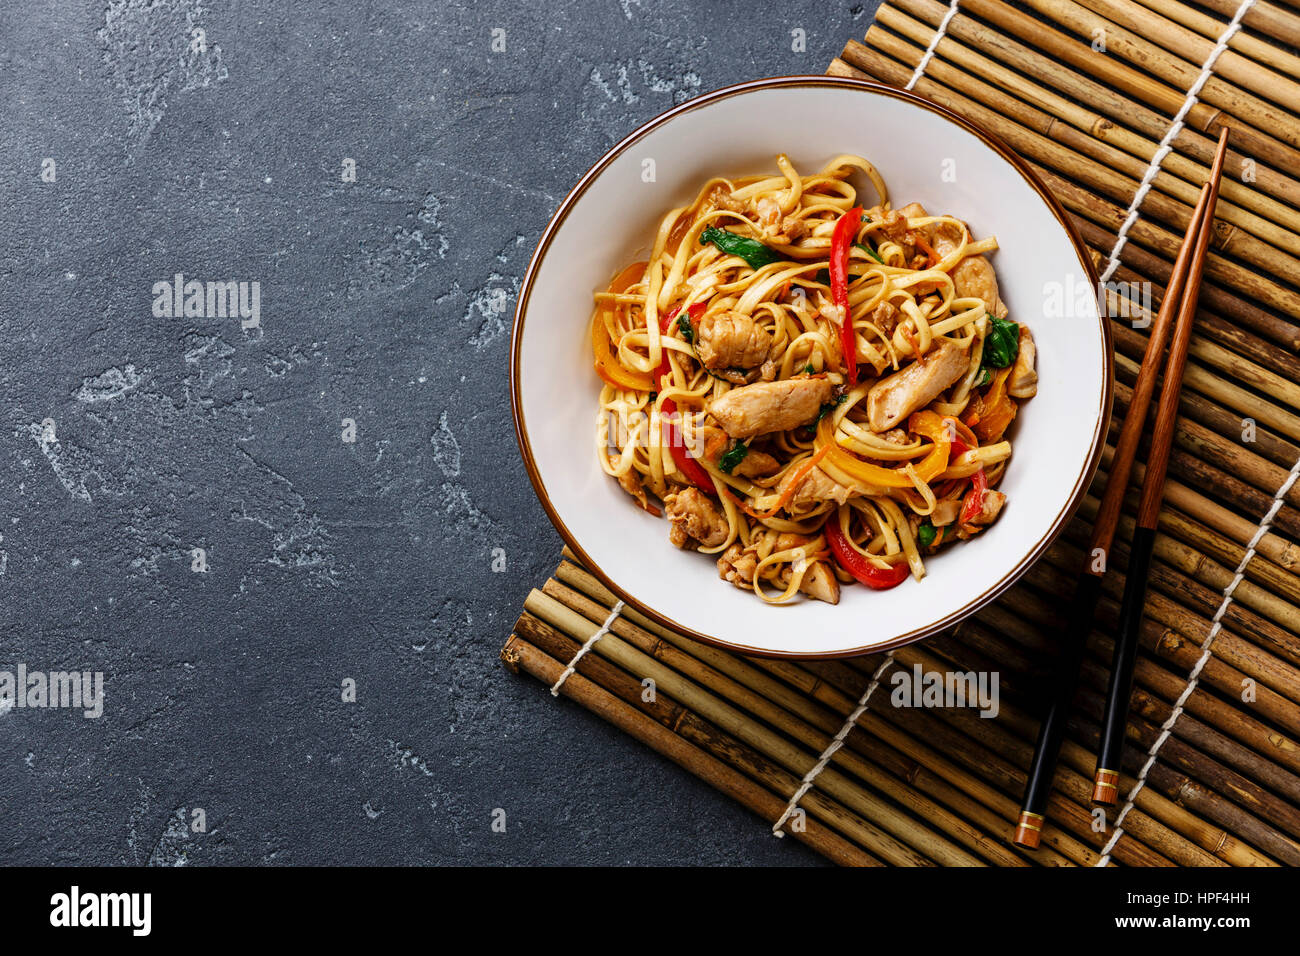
(925, 153)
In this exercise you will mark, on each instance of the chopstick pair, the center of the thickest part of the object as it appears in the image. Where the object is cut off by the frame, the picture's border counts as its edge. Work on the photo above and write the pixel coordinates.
(1179, 301)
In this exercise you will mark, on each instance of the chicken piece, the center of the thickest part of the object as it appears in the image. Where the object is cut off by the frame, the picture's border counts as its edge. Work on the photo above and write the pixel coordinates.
(885, 316)
(773, 227)
(945, 512)
(973, 276)
(993, 502)
(894, 227)
(892, 399)
(814, 489)
(720, 198)
(1023, 382)
(819, 582)
(631, 483)
(737, 564)
(789, 540)
(693, 517)
(770, 406)
(755, 464)
(731, 340)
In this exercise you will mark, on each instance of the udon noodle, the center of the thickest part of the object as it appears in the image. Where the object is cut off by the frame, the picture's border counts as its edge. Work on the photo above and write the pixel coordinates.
(803, 451)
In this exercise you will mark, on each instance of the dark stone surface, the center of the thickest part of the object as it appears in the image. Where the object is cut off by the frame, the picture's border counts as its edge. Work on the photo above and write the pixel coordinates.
(386, 301)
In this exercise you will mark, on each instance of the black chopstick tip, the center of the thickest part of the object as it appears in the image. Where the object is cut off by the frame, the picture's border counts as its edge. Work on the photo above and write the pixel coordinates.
(1105, 788)
(1029, 830)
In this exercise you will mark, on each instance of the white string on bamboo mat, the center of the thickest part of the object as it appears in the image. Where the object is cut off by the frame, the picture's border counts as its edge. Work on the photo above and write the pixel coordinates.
(928, 55)
(836, 743)
(1194, 677)
(591, 642)
(1216, 623)
(1166, 144)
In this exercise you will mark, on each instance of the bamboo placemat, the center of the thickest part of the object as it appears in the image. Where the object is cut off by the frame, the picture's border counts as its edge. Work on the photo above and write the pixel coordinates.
(1117, 105)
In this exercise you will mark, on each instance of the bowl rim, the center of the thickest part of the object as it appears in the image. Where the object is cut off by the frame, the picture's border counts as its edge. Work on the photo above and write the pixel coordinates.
(830, 82)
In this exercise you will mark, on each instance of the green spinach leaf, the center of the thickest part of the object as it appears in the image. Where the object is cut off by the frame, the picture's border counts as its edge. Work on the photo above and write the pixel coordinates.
(751, 250)
(733, 456)
(1001, 344)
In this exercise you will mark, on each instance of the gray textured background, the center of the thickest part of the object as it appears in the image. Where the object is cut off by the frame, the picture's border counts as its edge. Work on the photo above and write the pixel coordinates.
(387, 301)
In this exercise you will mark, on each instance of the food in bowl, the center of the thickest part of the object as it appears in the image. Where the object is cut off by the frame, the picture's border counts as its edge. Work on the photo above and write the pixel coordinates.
(813, 392)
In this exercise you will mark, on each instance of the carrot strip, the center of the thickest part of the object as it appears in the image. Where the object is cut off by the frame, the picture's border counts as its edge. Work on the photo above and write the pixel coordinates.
(801, 473)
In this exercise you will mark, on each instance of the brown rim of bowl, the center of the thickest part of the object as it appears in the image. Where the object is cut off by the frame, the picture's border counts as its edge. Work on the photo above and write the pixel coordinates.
(867, 86)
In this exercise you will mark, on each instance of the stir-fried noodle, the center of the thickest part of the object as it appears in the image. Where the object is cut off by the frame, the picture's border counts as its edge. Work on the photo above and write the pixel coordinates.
(802, 451)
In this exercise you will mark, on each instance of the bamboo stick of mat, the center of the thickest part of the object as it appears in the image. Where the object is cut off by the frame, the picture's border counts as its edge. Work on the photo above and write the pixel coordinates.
(1268, 18)
(990, 748)
(1226, 272)
(1220, 104)
(1218, 90)
(1221, 392)
(698, 732)
(521, 656)
(1189, 839)
(1197, 581)
(944, 782)
(1118, 159)
(1197, 555)
(1190, 833)
(1196, 529)
(1183, 43)
(1087, 129)
(776, 747)
(1241, 325)
(1215, 363)
(793, 716)
(1077, 814)
(1243, 42)
(1165, 643)
(1245, 734)
(1120, 110)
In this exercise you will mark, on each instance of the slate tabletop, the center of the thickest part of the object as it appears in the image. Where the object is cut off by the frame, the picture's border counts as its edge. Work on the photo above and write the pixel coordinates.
(236, 524)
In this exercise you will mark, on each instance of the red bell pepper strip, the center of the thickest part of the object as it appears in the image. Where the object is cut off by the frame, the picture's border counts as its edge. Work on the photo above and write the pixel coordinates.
(691, 468)
(849, 558)
(846, 229)
(974, 503)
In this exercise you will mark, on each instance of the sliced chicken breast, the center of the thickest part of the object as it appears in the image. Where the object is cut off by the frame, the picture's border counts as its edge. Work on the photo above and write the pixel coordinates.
(892, 399)
(731, 340)
(770, 406)
(1023, 381)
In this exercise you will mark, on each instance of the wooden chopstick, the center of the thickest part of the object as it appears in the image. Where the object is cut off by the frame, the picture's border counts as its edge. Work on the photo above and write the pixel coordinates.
(1120, 688)
(1083, 607)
